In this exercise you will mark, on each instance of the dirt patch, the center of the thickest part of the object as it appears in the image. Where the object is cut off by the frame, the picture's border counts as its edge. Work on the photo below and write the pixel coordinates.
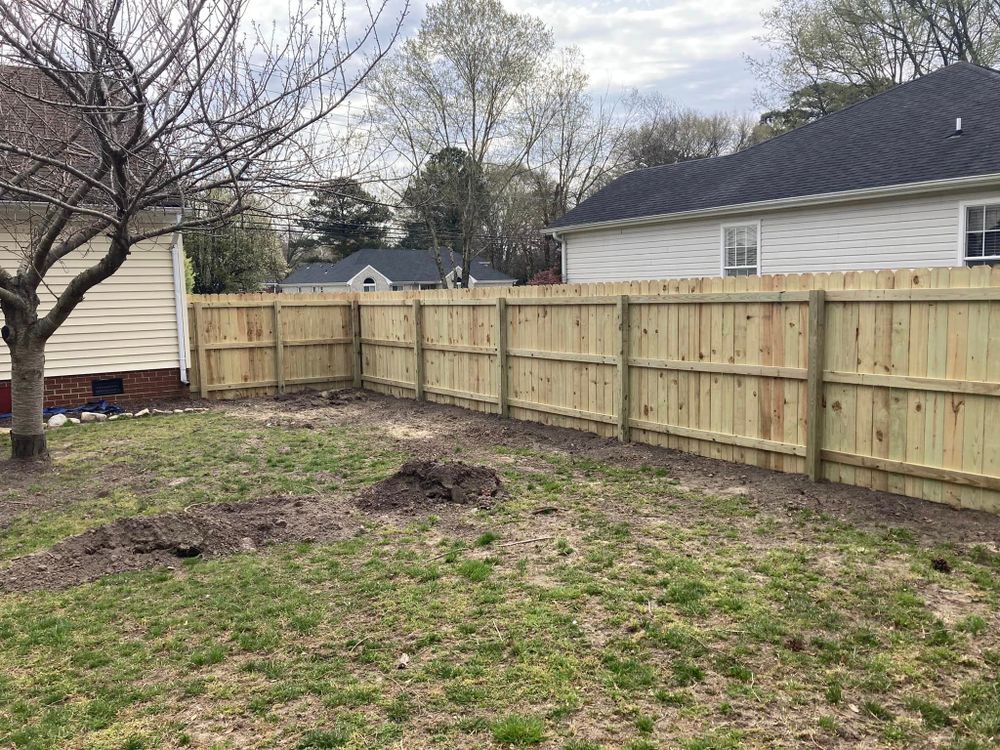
(472, 435)
(154, 541)
(426, 484)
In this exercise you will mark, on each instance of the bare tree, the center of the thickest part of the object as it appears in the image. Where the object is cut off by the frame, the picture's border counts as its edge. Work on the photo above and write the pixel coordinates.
(822, 46)
(668, 134)
(132, 110)
(583, 146)
(464, 83)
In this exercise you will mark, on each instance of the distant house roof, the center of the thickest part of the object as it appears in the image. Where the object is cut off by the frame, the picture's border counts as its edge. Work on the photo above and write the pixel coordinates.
(901, 136)
(399, 266)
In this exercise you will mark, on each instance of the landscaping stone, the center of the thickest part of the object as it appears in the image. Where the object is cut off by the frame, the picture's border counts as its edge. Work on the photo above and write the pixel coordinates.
(89, 416)
(74, 420)
(57, 421)
(143, 413)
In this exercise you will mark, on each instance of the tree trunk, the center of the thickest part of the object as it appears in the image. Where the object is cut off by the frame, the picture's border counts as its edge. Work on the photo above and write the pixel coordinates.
(27, 392)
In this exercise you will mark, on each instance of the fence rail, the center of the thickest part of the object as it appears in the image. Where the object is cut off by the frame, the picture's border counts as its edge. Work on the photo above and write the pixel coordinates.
(888, 380)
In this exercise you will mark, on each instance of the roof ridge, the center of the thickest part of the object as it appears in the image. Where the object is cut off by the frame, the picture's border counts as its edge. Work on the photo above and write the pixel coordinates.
(894, 88)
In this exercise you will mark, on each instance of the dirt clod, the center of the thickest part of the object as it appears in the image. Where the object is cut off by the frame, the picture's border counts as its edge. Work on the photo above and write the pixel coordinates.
(422, 484)
(132, 544)
(941, 565)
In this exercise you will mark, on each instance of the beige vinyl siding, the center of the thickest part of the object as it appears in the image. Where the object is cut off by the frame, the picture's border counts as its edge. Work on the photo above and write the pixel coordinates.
(907, 232)
(126, 323)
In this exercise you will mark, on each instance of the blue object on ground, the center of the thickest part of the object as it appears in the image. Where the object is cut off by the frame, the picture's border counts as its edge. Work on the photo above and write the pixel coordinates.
(99, 407)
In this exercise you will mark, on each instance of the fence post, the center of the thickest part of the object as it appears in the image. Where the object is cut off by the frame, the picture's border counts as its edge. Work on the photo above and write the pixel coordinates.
(418, 350)
(622, 379)
(502, 375)
(356, 337)
(202, 355)
(816, 363)
(279, 348)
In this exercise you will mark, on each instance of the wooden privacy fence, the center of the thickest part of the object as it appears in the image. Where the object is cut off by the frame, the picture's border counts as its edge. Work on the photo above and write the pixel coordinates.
(255, 346)
(888, 380)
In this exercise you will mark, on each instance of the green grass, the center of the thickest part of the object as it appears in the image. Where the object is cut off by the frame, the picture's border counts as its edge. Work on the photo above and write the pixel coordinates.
(663, 619)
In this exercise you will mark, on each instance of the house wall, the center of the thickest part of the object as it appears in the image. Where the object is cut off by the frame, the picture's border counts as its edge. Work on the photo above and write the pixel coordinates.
(127, 323)
(909, 232)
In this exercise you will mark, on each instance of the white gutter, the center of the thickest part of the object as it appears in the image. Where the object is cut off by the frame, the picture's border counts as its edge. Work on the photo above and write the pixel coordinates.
(180, 300)
(911, 188)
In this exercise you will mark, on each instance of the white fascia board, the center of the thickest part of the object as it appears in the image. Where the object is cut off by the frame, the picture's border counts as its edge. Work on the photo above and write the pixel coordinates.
(888, 191)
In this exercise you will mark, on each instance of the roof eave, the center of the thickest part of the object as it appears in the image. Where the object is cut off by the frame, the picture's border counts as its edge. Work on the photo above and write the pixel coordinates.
(887, 191)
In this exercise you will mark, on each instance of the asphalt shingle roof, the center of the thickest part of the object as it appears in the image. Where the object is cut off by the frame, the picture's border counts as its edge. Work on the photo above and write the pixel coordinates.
(399, 266)
(898, 137)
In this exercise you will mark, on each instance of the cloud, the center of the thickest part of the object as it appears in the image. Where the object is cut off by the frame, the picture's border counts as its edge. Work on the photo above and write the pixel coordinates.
(689, 50)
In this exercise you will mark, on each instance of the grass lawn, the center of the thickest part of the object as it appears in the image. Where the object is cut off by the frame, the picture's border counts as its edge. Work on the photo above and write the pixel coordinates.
(648, 613)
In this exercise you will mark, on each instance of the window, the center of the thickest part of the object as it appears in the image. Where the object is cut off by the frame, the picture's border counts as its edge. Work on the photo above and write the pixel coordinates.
(368, 285)
(740, 249)
(982, 235)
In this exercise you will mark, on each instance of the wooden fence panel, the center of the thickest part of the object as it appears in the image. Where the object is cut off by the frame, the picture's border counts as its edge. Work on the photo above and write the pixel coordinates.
(257, 345)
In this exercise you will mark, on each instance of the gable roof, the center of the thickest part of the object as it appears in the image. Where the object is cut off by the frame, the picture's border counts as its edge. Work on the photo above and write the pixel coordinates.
(898, 137)
(399, 266)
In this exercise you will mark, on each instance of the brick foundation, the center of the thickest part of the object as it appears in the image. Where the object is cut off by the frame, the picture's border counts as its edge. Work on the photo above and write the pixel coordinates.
(140, 387)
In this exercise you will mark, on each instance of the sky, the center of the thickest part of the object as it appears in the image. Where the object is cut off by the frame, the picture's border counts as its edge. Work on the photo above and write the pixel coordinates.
(691, 51)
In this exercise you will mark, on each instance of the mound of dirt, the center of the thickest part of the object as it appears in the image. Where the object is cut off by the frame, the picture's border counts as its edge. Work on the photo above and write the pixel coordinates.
(147, 542)
(425, 484)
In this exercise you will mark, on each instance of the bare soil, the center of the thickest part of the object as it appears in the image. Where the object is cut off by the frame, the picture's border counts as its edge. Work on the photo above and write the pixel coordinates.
(156, 541)
(435, 431)
(145, 542)
(425, 484)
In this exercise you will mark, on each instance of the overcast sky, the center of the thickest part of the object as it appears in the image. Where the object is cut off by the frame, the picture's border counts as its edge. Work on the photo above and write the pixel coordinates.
(689, 50)
(692, 51)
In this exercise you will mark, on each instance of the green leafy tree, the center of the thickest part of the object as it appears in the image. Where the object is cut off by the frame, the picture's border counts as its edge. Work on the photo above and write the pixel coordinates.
(814, 101)
(341, 218)
(237, 255)
(434, 199)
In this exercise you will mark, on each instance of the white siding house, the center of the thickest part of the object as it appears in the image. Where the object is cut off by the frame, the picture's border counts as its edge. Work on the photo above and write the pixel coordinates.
(131, 327)
(378, 270)
(909, 178)
(915, 231)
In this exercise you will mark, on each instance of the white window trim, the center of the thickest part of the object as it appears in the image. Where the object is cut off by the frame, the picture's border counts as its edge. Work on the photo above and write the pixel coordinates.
(963, 223)
(722, 243)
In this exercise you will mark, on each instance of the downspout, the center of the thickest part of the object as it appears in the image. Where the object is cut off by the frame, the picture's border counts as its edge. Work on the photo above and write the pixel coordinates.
(180, 300)
(562, 256)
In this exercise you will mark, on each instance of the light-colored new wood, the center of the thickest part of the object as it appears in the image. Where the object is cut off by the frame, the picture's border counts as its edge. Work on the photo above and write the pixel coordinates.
(622, 374)
(814, 387)
(418, 350)
(279, 347)
(503, 387)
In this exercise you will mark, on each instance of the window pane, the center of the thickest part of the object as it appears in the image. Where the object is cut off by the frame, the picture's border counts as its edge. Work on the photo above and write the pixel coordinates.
(730, 237)
(752, 257)
(752, 236)
(983, 262)
(973, 245)
(991, 243)
(730, 256)
(993, 217)
(974, 220)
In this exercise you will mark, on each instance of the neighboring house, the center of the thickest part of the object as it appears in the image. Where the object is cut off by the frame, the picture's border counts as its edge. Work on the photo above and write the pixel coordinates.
(909, 178)
(374, 270)
(127, 340)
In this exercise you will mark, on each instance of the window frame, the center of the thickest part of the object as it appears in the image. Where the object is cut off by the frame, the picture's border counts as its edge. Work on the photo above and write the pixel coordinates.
(365, 284)
(722, 246)
(963, 230)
